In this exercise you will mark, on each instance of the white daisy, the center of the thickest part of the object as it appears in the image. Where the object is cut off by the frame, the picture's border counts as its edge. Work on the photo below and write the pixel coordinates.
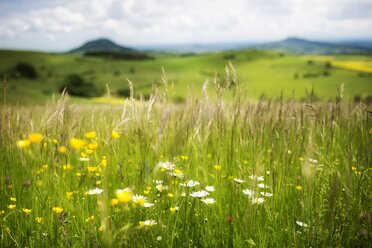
(248, 192)
(210, 188)
(238, 180)
(190, 184)
(262, 186)
(258, 178)
(208, 201)
(166, 165)
(266, 194)
(95, 191)
(258, 200)
(161, 187)
(148, 223)
(199, 194)
(148, 205)
(302, 224)
(118, 191)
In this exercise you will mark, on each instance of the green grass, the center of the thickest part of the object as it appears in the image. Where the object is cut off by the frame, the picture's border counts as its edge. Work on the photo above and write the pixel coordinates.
(315, 160)
(260, 73)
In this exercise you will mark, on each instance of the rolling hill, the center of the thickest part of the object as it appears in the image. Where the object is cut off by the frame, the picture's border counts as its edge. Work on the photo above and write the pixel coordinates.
(101, 45)
(302, 46)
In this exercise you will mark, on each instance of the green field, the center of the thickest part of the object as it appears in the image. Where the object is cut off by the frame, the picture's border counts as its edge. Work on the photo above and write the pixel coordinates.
(260, 74)
(263, 174)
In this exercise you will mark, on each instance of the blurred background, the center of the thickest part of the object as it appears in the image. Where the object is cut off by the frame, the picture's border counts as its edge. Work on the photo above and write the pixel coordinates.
(296, 49)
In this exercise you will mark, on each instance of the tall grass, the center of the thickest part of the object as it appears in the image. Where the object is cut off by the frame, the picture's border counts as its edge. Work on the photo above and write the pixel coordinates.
(314, 159)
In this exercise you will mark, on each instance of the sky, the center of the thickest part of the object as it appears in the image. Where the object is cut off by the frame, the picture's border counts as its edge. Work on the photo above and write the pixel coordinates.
(60, 25)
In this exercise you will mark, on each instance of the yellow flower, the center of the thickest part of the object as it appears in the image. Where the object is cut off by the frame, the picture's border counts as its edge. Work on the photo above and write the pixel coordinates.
(301, 158)
(299, 187)
(91, 134)
(353, 168)
(90, 219)
(92, 168)
(62, 149)
(245, 161)
(23, 143)
(115, 135)
(174, 209)
(12, 206)
(39, 219)
(69, 195)
(35, 137)
(114, 201)
(67, 167)
(170, 195)
(13, 199)
(93, 146)
(2, 212)
(124, 196)
(55, 141)
(57, 210)
(77, 143)
(26, 211)
(183, 157)
(78, 174)
(101, 229)
(217, 167)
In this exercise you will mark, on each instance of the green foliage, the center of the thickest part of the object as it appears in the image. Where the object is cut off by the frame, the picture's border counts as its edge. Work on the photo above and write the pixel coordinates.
(23, 70)
(77, 86)
(119, 55)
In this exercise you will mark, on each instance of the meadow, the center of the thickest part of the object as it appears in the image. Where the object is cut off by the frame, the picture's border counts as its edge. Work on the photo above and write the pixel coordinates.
(262, 74)
(217, 171)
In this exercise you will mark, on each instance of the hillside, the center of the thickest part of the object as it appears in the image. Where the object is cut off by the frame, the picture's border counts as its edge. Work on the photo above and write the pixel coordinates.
(101, 45)
(301, 46)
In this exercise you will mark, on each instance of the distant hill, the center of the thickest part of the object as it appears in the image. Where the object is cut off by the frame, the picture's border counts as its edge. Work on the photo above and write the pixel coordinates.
(301, 46)
(105, 48)
(101, 45)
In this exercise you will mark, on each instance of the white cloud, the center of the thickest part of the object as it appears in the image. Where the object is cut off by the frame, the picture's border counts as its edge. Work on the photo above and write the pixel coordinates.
(168, 21)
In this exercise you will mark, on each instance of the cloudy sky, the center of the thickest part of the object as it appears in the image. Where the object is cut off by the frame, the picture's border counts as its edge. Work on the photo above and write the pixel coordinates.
(58, 25)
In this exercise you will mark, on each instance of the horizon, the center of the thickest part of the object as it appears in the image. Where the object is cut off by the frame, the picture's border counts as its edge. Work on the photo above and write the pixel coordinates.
(58, 26)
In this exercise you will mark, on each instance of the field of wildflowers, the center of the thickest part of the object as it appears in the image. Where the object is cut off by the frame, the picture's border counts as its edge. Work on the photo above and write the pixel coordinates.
(198, 174)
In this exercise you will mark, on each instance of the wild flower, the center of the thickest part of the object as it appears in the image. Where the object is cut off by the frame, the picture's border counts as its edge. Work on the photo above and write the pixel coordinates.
(91, 134)
(91, 168)
(210, 188)
(35, 137)
(190, 184)
(114, 201)
(139, 199)
(248, 192)
(258, 200)
(170, 195)
(159, 238)
(258, 178)
(23, 143)
(96, 191)
(62, 149)
(69, 195)
(161, 187)
(238, 180)
(266, 194)
(26, 210)
(176, 173)
(13, 199)
(39, 219)
(90, 218)
(57, 210)
(93, 146)
(77, 143)
(183, 157)
(166, 165)
(148, 205)
(124, 196)
(115, 135)
(12, 206)
(208, 201)
(313, 161)
(199, 194)
(299, 187)
(174, 209)
(262, 186)
(302, 224)
(217, 167)
(147, 223)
